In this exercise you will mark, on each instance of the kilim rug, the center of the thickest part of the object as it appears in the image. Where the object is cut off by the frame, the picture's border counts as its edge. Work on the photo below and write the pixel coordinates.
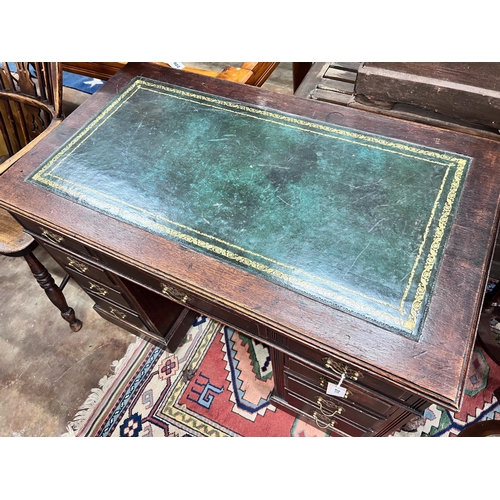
(479, 403)
(218, 382)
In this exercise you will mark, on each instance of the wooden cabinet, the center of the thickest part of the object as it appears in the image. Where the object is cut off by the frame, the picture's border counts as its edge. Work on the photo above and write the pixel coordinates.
(162, 313)
(337, 396)
(141, 245)
(118, 299)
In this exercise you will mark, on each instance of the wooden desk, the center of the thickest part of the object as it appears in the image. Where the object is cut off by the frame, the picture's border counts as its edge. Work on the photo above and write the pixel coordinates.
(165, 245)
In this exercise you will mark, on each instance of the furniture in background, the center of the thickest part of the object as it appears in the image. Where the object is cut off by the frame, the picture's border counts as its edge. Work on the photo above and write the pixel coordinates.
(146, 244)
(466, 91)
(30, 107)
(457, 96)
(328, 82)
(250, 73)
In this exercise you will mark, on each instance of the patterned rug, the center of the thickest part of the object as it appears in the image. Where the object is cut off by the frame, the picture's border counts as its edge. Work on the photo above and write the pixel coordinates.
(218, 383)
(479, 403)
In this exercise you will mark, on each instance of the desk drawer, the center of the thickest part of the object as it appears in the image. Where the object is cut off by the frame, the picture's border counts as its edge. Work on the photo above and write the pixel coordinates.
(335, 368)
(130, 327)
(329, 406)
(53, 236)
(119, 313)
(99, 289)
(71, 263)
(356, 395)
(181, 296)
(332, 424)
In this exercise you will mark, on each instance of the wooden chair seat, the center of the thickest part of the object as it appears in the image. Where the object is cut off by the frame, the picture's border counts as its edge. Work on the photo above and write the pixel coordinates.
(487, 428)
(13, 239)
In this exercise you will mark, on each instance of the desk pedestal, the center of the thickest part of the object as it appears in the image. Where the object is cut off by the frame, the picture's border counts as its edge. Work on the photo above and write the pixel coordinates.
(162, 312)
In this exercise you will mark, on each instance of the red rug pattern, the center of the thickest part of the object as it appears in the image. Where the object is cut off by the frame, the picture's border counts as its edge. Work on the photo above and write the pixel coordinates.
(218, 383)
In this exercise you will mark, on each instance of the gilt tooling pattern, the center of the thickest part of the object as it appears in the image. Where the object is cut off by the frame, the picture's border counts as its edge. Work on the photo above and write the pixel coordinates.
(351, 219)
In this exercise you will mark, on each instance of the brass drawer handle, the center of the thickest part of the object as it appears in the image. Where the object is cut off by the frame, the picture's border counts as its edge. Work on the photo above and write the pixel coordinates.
(324, 384)
(99, 290)
(337, 409)
(55, 238)
(117, 314)
(76, 264)
(341, 369)
(329, 425)
(173, 293)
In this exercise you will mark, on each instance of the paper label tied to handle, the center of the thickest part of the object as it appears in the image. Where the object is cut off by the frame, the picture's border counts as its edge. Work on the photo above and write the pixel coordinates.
(336, 389)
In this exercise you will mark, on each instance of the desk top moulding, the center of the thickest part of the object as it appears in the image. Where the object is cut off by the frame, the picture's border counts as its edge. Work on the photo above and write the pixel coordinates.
(359, 235)
(355, 220)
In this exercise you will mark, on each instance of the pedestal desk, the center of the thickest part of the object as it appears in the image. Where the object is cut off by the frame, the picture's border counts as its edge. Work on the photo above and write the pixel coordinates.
(355, 246)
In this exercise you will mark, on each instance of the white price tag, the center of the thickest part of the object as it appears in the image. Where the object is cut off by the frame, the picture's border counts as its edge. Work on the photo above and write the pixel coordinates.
(336, 389)
(176, 65)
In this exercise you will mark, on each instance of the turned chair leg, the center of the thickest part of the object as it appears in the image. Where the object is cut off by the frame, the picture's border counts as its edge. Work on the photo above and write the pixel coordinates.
(53, 292)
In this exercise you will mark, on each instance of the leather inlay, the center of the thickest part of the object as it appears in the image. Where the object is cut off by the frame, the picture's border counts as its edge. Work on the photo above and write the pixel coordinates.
(351, 219)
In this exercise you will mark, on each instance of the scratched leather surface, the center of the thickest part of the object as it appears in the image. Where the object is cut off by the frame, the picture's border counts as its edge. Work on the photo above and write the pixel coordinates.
(351, 219)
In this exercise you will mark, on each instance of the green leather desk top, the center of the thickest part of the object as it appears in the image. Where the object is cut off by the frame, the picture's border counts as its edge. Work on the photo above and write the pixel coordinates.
(354, 220)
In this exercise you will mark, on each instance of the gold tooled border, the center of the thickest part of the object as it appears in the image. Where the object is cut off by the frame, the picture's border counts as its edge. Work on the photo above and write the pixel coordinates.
(407, 323)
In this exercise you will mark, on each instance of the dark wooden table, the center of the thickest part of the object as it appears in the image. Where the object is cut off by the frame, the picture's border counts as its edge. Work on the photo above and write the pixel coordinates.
(152, 273)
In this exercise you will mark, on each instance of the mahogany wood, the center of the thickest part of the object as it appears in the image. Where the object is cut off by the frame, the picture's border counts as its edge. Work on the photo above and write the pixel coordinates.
(430, 370)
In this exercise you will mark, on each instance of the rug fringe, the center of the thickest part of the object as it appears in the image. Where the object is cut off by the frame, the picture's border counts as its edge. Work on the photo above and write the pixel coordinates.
(97, 394)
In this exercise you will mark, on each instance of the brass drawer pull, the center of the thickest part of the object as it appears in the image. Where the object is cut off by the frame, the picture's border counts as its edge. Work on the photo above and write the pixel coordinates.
(117, 314)
(324, 384)
(173, 293)
(76, 264)
(99, 290)
(55, 238)
(329, 425)
(337, 409)
(341, 369)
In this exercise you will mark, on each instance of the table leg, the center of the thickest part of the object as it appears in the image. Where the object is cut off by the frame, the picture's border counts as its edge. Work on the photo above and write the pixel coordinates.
(46, 281)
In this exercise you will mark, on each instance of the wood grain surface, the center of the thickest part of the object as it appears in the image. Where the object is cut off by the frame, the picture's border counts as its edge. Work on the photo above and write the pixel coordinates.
(434, 367)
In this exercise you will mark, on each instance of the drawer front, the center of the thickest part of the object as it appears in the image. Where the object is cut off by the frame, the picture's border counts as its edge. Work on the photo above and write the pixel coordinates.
(336, 368)
(181, 296)
(331, 424)
(119, 313)
(53, 236)
(330, 406)
(355, 394)
(99, 289)
(84, 267)
(130, 327)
